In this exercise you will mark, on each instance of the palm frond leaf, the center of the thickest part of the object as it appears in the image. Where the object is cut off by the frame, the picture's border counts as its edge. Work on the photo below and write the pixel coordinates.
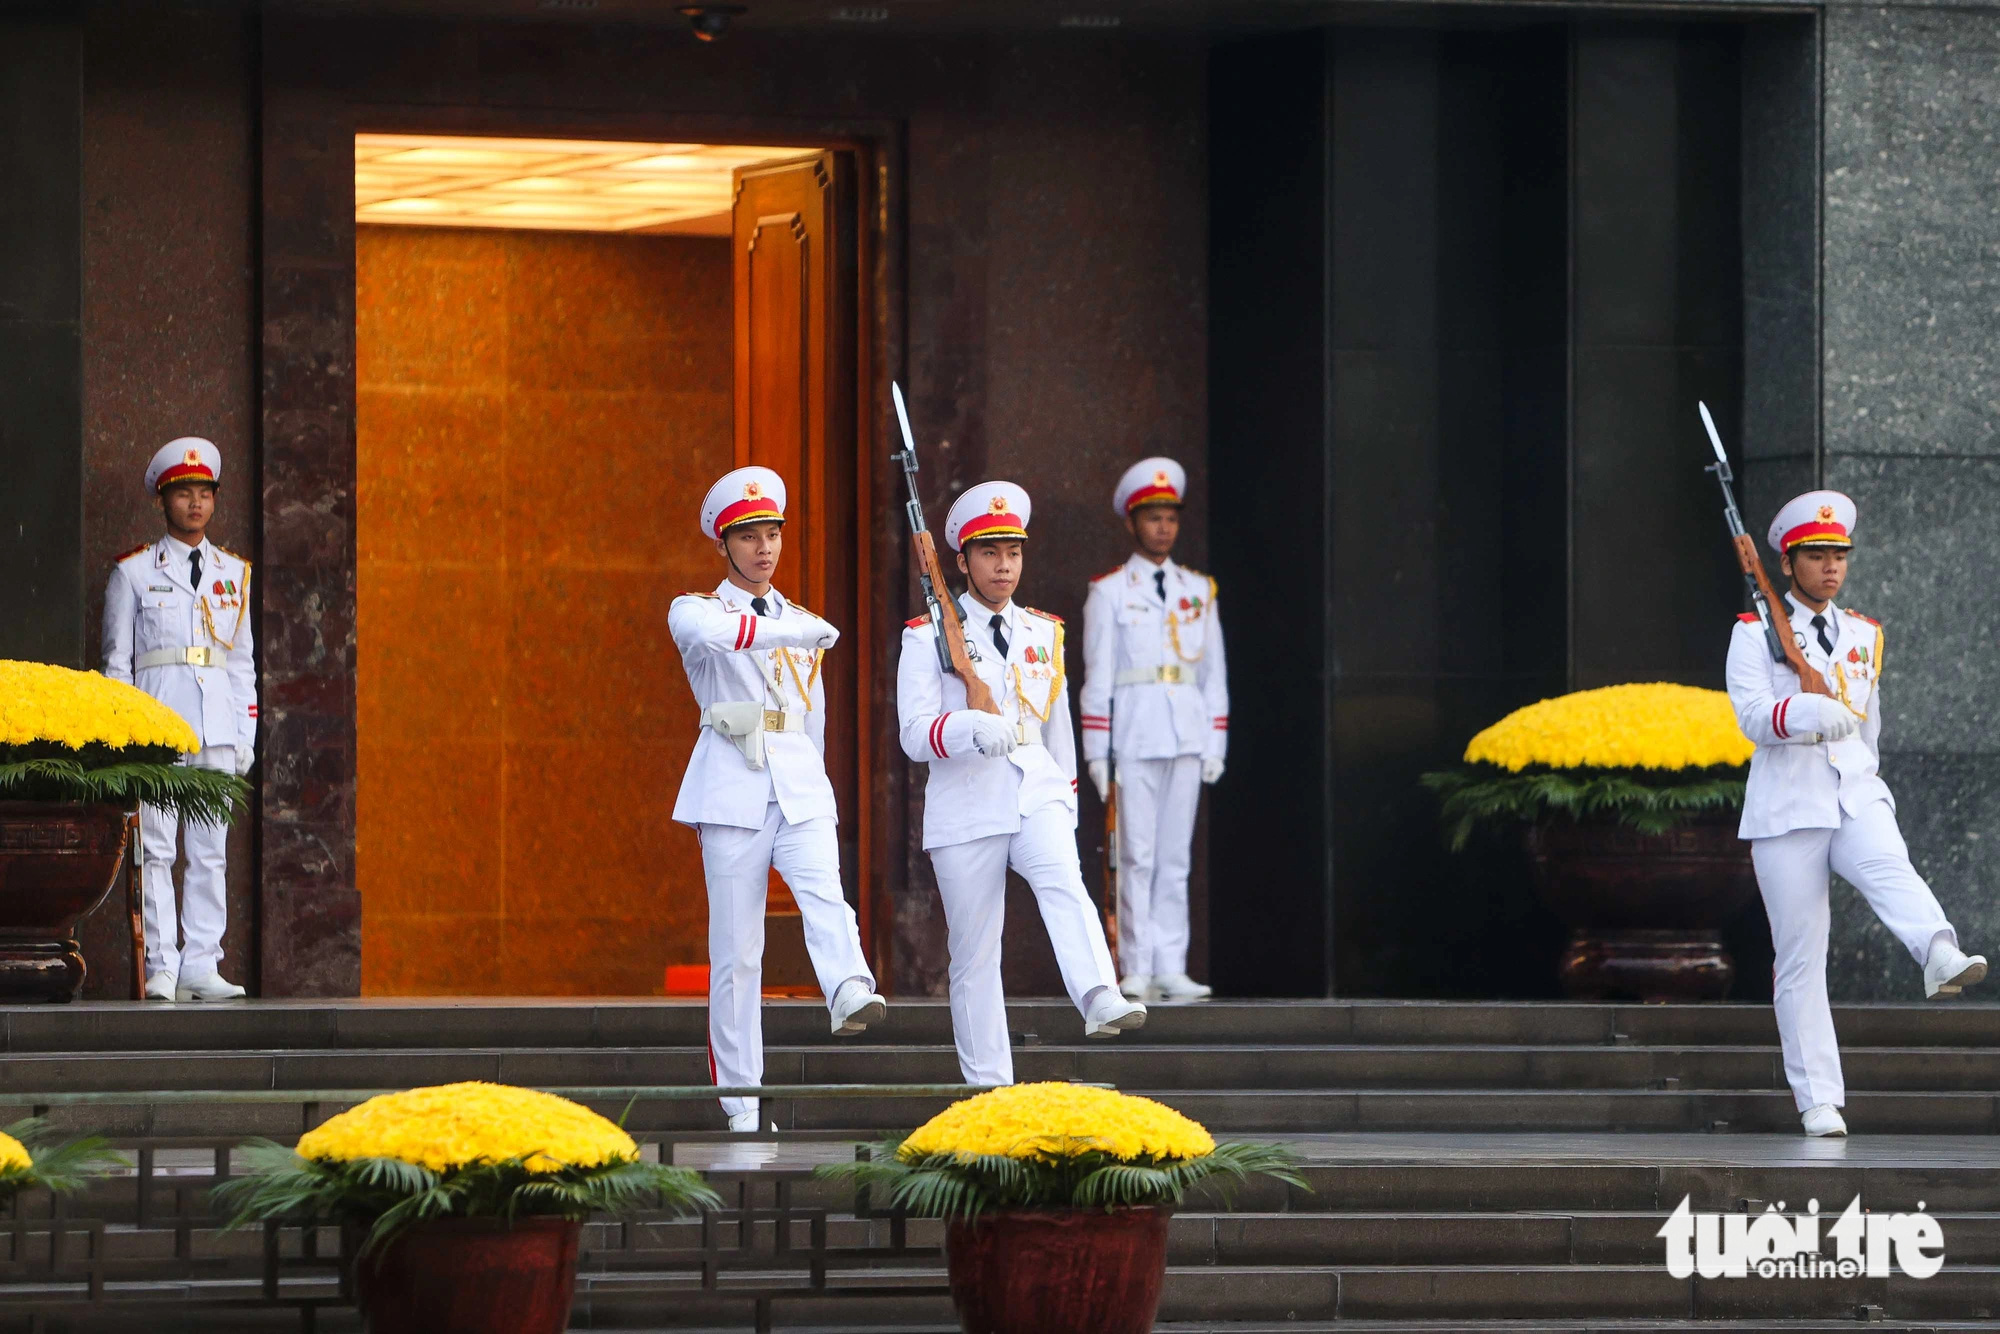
(204, 795)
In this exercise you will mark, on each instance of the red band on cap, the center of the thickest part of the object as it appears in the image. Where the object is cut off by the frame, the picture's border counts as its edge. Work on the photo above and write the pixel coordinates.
(1831, 533)
(747, 511)
(1152, 495)
(992, 525)
(185, 472)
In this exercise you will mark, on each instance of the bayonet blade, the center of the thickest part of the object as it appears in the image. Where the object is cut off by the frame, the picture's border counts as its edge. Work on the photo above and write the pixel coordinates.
(1714, 438)
(903, 419)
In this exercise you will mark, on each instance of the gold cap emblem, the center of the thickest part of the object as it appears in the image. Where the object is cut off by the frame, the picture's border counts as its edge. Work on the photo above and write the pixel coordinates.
(192, 458)
(997, 505)
(1161, 479)
(1826, 514)
(752, 490)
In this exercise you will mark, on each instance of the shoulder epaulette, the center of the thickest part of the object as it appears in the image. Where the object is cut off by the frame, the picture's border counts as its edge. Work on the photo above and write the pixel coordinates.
(124, 556)
(232, 555)
(1870, 619)
(916, 621)
(1197, 574)
(1045, 615)
(800, 606)
(1108, 574)
(1747, 617)
(710, 596)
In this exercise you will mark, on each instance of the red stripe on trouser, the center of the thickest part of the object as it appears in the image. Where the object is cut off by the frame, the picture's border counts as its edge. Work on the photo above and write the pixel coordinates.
(711, 1062)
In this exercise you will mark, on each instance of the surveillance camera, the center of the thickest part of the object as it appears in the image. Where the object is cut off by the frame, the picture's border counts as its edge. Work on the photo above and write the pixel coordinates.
(710, 21)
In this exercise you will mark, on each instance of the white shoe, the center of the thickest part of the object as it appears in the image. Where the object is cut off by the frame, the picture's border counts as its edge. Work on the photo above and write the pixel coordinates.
(1179, 989)
(745, 1123)
(855, 1007)
(206, 987)
(1823, 1122)
(1135, 987)
(1111, 1014)
(160, 986)
(1950, 970)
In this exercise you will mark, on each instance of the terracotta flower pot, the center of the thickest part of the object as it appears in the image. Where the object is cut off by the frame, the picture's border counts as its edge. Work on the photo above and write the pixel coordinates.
(471, 1276)
(1067, 1271)
(1645, 911)
(57, 862)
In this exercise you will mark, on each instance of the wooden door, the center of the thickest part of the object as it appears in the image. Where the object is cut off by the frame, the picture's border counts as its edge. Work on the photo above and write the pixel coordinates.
(796, 269)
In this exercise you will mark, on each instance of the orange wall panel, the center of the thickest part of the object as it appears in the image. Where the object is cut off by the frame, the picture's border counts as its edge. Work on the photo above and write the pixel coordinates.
(539, 415)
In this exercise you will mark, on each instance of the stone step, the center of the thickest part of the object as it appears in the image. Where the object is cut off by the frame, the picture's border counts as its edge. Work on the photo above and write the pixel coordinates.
(1490, 1067)
(533, 1023)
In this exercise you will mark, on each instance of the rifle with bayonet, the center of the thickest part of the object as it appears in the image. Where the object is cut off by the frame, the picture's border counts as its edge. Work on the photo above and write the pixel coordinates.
(1783, 648)
(948, 631)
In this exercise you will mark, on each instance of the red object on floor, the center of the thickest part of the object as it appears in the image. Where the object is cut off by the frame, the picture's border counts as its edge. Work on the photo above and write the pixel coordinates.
(687, 979)
(1082, 1271)
(472, 1276)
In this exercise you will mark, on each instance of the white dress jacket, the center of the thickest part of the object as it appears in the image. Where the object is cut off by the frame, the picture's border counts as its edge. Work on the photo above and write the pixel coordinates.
(1130, 631)
(732, 655)
(970, 795)
(1796, 782)
(151, 608)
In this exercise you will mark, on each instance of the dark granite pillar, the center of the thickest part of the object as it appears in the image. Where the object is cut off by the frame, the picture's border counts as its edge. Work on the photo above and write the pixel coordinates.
(1656, 325)
(41, 342)
(1912, 374)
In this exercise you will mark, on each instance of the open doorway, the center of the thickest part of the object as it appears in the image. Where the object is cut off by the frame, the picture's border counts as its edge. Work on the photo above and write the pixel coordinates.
(559, 345)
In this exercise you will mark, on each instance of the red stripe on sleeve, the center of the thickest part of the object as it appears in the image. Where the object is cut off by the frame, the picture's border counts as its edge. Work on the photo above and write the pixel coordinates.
(751, 622)
(937, 736)
(739, 630)
(1778, 712)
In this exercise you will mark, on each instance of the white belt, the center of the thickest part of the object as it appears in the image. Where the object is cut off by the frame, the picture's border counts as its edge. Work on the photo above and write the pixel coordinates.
(1027, 733)
(733, 720)
(178, 657)
(1173, 674)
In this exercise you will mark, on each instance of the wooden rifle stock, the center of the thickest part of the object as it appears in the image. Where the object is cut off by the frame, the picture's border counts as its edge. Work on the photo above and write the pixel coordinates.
(1810, 681)
(978, 695)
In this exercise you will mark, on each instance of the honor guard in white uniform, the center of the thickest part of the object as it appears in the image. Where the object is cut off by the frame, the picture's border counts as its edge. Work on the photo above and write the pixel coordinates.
(1155, 715)
(1002, 788)
(177, 625)
(1816, 804)
(756, 791)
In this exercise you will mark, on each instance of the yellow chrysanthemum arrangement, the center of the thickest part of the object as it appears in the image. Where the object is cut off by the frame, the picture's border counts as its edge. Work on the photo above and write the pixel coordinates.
(457, 1150)
(1650, 756)
(30, 1159)
(70, 736)
(1056, 1146)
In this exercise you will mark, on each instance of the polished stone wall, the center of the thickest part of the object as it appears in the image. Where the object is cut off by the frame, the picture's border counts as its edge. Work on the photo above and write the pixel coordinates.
(1911, 269)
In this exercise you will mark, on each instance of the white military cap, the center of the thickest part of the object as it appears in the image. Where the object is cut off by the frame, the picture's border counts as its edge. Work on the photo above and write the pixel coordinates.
(1153, 481)
(1815, 519)
(188, 459)
(747, 495)
(988, 510)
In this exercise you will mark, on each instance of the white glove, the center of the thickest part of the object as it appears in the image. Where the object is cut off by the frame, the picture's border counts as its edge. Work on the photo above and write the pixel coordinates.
(246, 755)
(992, 735)
(1830, 718)
(1211, 768)
(828, 635)
(1100, 778)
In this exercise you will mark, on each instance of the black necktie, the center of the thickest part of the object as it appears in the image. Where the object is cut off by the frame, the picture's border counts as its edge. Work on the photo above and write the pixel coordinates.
(999, 639)
(194, 569)
(759, 606)
(1160, 582)
(1825, 641)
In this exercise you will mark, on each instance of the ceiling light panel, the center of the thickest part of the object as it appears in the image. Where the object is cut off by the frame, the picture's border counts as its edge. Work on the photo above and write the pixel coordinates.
(548, 184)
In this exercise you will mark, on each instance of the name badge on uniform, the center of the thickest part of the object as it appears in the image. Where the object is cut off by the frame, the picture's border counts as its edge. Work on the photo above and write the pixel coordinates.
(159, 588)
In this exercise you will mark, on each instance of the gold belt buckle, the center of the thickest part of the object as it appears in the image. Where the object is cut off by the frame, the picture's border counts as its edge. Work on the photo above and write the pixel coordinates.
(1171, 674)
(200, 657)
(774, 720)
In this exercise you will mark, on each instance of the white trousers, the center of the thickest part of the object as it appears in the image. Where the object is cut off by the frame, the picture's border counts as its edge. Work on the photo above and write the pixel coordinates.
(204, 907)
(1868, 852)
(972, 880)
(737, 863)
(1157, 800)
